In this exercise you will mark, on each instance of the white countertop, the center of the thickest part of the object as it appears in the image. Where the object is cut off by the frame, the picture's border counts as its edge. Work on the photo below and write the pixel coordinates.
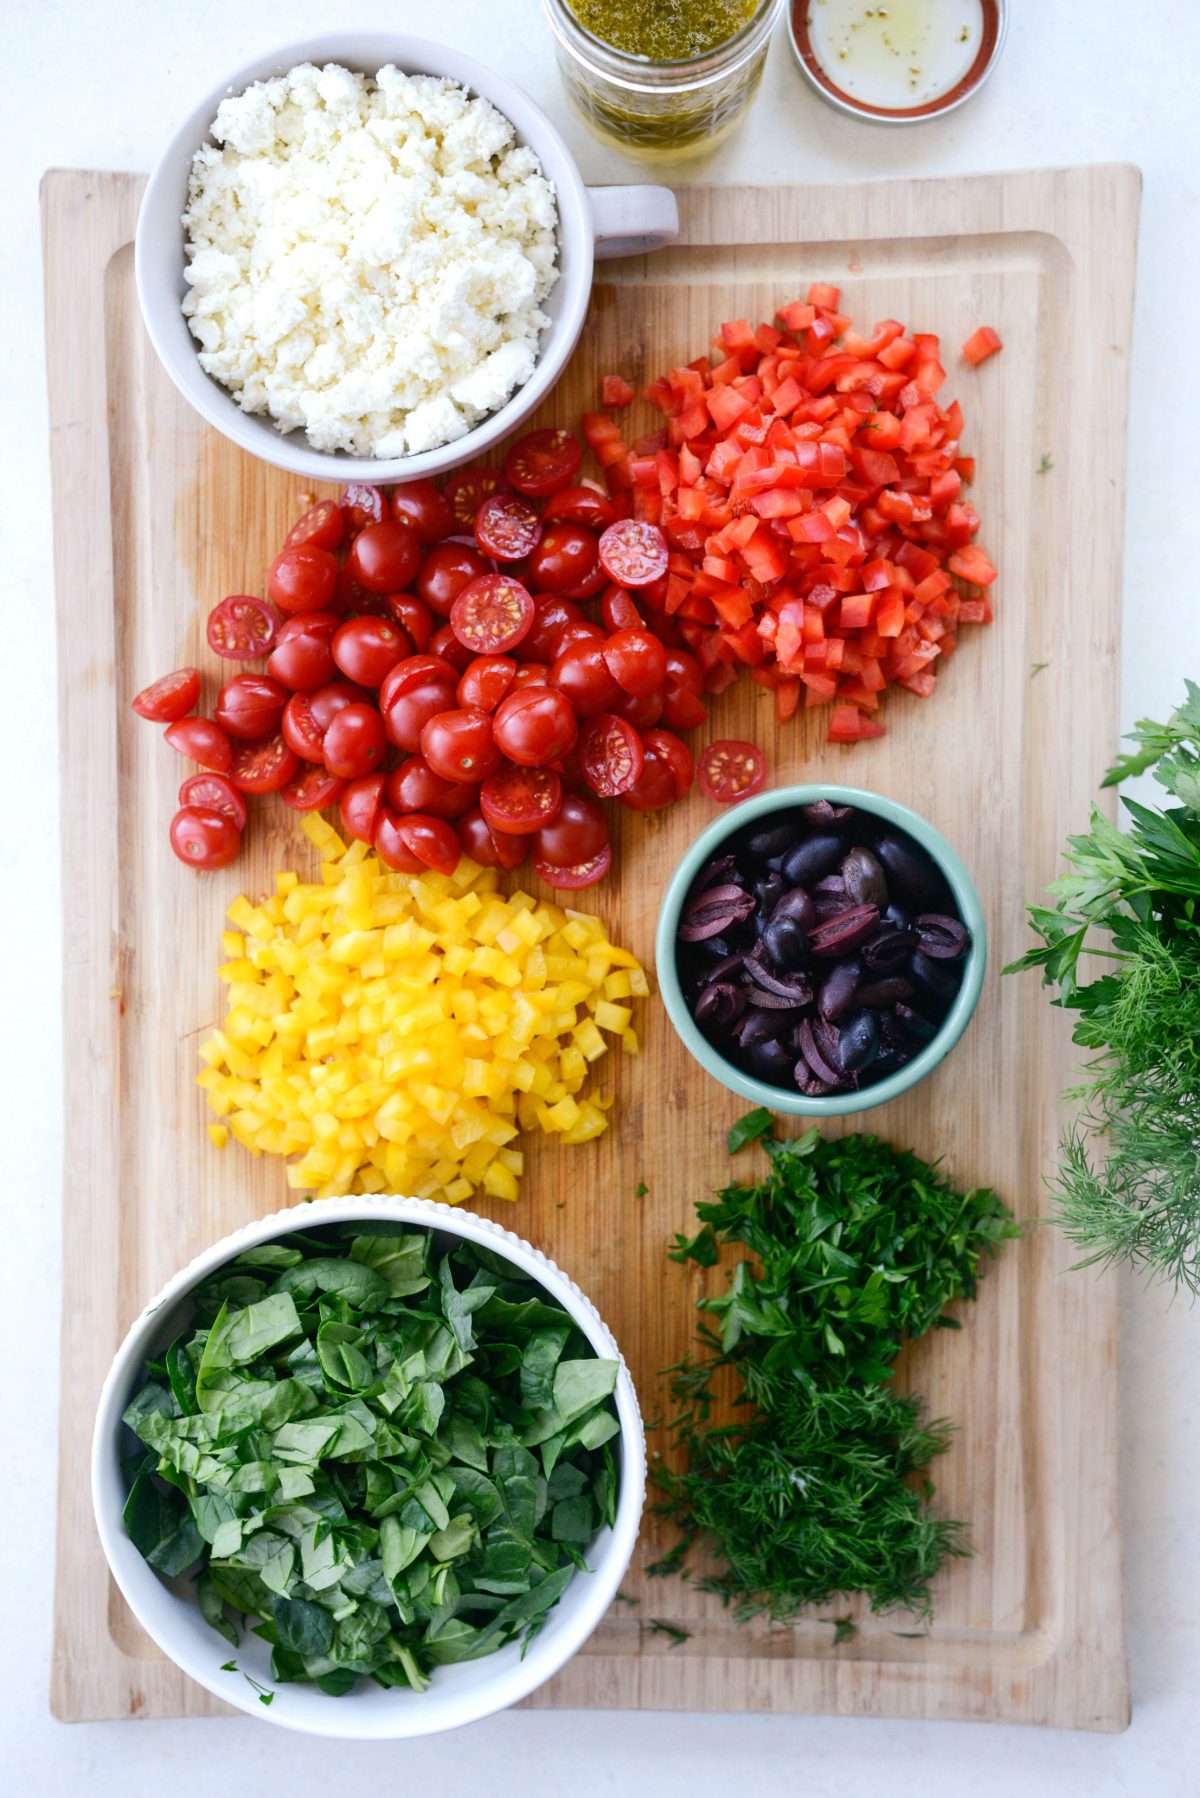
(100, 86)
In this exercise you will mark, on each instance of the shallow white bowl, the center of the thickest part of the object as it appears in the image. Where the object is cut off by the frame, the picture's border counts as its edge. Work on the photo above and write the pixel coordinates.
(458, 1694)
(591, 221)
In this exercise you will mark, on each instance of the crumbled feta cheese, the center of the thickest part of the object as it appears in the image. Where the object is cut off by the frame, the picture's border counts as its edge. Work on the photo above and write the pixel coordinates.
(367, 259)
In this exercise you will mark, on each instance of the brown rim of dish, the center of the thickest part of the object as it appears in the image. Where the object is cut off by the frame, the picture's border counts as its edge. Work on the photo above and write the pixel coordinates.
(994, 22)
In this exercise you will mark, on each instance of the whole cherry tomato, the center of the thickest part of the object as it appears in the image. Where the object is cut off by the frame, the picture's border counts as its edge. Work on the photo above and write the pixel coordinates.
(367, 649)
(565, 556)
(414, 787)
(458, 745)
(416, 690)
(582, 673)
(535, 725)
(302, 658)
(485, 681)
(419, 504)
(446, 643)
(170, 698)
(204, 838)
(250, 705)
(303, 579)
(384, 557)
(416, 839)
(576, 835)
(445, 570)
(308, 716)
(201, 741)
(667, 773)
(637, 661)
(413, 616)
(550, 619)
(355, 742)
(491, 848)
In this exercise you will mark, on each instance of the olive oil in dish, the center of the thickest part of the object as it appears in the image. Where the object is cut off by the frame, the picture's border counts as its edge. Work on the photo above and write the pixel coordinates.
(895, 54)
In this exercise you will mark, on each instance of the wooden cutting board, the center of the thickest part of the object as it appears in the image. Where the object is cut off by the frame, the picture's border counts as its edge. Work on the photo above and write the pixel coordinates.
(156, 517)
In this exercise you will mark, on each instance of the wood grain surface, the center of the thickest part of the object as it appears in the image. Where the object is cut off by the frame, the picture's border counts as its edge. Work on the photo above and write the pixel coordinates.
(156, 517)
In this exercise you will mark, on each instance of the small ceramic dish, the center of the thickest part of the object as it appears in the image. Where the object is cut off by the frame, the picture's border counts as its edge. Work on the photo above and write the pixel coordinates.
(592, 222)
(885, 60)
(761, 1092)
(167, 1609)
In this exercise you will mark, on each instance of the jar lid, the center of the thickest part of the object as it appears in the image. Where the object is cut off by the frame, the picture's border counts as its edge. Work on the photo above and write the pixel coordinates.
(994, 23)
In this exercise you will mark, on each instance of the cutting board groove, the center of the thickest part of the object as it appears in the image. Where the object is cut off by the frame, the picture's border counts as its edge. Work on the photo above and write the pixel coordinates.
(156, 517)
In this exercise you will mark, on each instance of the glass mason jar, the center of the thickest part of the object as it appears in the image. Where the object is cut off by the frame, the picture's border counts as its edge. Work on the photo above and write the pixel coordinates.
(661, 109)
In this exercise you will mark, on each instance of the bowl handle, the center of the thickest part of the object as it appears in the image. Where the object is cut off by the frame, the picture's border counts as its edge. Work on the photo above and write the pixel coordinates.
(629, 221)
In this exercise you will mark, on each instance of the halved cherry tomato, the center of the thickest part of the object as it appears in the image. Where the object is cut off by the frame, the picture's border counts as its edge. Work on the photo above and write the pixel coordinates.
(593, 583)
(264, 766)
(419, 504)
(642, 710)
(535, 725)
(458, 745)
(637, 661)
(359, 805)
(543, 462)
(683, 707)
(490, 848)
(610, 755)
(516, 800)
(492, 615)
(619, 612)
(415, 841)
(578, 875)
(507, 527)
(581, 672)
(413, 616)
(303, 579)
(731, 770)
(201, 741)
(302, 658)
(580, 505)
(355, 742)
(445, 571)
(363, 504)
(575, 835)
(667, 773)
(311, 789)
(532, 674)
(170, 698)
(203, 838)
(467, 488)
(216, 794)
(385, 557)
(242, 627)
(367, 649)
(633, 553)
(415, 691)
(414, 787)
(550, 618)
(565, 557)
(250, 705)
(307, 716)
(485, 681)
(322, 525)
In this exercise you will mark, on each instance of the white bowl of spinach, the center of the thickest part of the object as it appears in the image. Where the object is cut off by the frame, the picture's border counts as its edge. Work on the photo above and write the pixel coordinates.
(369, 1468)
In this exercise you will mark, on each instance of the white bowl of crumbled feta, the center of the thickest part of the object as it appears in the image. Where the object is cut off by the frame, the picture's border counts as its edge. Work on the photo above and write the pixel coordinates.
(367, 256)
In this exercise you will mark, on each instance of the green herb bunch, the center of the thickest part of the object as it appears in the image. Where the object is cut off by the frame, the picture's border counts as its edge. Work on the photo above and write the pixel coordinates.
(391, 1452)
(1128, 1179)
(857, 1247)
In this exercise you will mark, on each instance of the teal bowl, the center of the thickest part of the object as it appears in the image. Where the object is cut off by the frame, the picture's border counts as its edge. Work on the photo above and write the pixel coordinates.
(777, 1098)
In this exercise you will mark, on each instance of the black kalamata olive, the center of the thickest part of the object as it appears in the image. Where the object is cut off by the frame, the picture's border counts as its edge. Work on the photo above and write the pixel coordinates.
(809, 1084)
(880, 994)
(716, 946)
(911, 875)
(840, 935)
(823, 812)
(727, 967)
(896, 914)
(838, 986)
(770, 1060)
(717, 872)
(793, 987)
(775, 839)
(784, 944)
(940, 978)
(863, 878)
(719, 1005)
(711, 912)
(797, 905)
(830, 886)
(858, 1040)
(755, 1026)
(809, 860)
(914, 1024)
(888, 949)
(940, 937)
(816, 1061)
(769, 890)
